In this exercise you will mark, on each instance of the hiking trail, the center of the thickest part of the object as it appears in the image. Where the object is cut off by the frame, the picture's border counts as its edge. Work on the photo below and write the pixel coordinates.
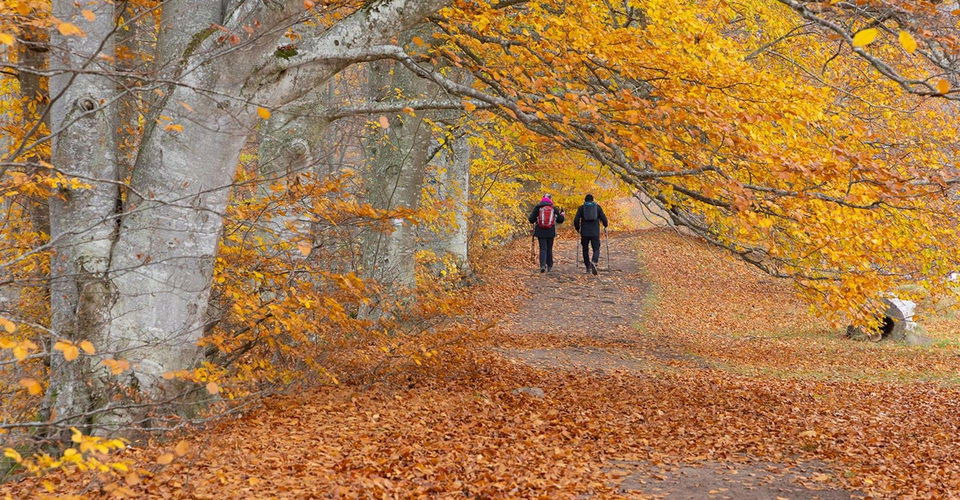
(580, 322)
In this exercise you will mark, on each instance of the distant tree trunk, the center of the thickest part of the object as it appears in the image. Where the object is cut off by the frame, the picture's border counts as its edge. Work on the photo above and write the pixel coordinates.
(395, 173)
(457, 186)
(33, 56)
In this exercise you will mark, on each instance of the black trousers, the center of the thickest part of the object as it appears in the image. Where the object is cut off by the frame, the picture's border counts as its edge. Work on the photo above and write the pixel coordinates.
(590, 241)
(546, 252)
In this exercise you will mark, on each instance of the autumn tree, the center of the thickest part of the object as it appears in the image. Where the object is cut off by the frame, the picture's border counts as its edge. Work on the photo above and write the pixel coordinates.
(187, 198)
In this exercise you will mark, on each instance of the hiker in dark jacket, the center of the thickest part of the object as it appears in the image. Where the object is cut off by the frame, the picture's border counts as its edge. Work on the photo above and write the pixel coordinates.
(587, 223)
(545, 218)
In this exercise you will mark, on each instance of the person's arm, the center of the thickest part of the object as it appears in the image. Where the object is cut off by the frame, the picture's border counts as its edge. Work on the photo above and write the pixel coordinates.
(603, 216)
(533, 216)
(560, 217)
(577, 218)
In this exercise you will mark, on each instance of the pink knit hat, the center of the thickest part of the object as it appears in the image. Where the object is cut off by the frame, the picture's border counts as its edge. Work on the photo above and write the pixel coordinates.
(546, 199)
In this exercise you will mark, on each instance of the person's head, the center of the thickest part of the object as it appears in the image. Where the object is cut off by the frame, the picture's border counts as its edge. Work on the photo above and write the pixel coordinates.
(546, 199)
(588, 197)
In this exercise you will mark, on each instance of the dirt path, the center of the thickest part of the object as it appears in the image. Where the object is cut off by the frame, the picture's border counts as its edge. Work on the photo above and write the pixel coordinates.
(579, 322)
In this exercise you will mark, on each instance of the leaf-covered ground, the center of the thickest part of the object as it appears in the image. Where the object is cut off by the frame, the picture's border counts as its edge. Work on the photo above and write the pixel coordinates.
(678, 371)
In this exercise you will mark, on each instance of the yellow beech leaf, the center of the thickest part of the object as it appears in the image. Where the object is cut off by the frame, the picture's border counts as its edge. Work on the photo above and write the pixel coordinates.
(174, 127)
(89, 15)
(213, 388)
(469, 106)
(116, 366)
(865, 37)
(70, 351)
(408, 110)
(186, 106)
(182, 448)
(943, 86)
(264, 113)
(12, 455)
(88, 347)
(308, 4)
(32, 386)
(384, 122)
(68, 29)
(8, 325)
(907, 42)
(165, 459)
(21, 350)
(305, 247)
(6, 39)
(169, 375)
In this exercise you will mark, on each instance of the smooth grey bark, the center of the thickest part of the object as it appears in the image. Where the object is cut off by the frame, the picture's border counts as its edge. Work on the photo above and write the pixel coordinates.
(82, 221)
(457, 188)
(139, 290)
(397, 159)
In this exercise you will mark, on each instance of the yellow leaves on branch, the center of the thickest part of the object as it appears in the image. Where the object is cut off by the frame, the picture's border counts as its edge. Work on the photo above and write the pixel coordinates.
(8, 325)
(70, 29)
(20, 349)
(943, 86)
(305, 247)
(116, 366)
(71, 351)
(865, 37)
(87, 347)
(6, 39)
(907, 42)
(32, 386)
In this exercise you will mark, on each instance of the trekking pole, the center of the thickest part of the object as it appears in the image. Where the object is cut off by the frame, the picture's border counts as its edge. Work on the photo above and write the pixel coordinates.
(533, 253)
(607, 241)
(576, 253)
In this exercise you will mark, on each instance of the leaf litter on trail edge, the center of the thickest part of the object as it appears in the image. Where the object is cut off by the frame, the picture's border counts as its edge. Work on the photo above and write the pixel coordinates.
(457, 428)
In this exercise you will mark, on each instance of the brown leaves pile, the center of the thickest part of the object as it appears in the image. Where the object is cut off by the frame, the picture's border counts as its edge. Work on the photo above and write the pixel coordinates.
(457, 428)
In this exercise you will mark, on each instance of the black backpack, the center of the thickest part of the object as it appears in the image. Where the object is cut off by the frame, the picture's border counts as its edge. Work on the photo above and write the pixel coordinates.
(591, 211)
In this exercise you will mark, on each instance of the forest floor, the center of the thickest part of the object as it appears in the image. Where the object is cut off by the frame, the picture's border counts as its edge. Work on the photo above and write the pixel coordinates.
(679, 373)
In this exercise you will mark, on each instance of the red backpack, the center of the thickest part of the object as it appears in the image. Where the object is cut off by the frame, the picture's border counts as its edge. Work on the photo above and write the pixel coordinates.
(547, 217)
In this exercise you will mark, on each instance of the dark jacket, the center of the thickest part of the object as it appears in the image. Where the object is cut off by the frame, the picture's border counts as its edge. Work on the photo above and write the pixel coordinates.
(589, 228)
(540, 232)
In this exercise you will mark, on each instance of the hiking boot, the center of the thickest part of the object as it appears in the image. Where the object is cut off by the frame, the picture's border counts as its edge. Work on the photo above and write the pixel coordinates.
(543, 269)
(549, 268)
(593, 268)
(586, 270)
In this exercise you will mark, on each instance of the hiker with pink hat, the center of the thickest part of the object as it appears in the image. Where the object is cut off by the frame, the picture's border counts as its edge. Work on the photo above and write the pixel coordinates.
(545, 217)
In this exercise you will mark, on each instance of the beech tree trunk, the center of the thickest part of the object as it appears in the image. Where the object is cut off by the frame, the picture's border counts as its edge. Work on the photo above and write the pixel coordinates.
(139, 289)
(397, 160)
(82, 221)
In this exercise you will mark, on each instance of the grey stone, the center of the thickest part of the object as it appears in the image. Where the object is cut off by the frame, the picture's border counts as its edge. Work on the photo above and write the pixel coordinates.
(535, 392)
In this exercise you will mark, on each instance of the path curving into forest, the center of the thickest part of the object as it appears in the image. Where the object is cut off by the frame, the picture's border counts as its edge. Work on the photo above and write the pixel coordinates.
(577, 322)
